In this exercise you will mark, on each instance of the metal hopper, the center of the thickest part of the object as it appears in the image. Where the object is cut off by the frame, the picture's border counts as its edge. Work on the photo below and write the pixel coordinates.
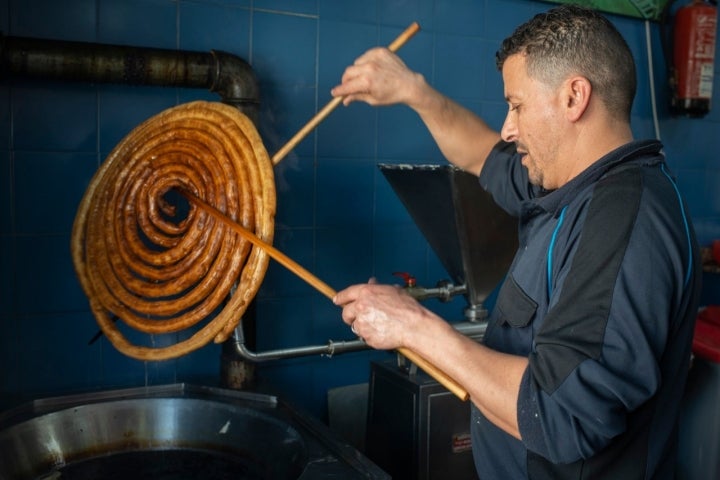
(474, 239)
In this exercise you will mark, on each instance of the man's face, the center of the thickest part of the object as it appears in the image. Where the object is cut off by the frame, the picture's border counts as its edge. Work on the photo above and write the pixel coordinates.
(533, 123)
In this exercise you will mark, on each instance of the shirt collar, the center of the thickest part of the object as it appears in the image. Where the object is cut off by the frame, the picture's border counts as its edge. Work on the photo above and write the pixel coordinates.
(645, 152)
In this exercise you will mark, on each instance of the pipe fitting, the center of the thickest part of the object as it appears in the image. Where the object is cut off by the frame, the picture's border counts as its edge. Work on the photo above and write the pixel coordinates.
(234, 80)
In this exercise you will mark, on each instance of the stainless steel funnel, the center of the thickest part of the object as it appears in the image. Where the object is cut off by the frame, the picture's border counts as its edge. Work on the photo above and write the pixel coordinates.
(474, 239)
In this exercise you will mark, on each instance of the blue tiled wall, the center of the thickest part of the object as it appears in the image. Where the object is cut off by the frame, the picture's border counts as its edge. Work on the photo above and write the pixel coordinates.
(336, 214)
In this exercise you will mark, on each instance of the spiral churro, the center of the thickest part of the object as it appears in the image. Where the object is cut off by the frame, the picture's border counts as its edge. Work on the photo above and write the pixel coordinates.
(159, 264)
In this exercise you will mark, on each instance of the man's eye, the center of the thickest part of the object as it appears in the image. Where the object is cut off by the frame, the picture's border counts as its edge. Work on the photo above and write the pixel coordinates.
(514, 107)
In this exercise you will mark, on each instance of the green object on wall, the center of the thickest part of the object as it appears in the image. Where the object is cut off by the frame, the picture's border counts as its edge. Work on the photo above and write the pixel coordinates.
(645, 9)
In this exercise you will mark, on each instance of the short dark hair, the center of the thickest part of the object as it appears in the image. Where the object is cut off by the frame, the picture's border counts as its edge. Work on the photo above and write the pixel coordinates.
(571, 39)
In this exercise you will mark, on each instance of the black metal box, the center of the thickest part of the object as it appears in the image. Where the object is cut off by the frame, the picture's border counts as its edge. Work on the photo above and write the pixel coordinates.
(416, 429)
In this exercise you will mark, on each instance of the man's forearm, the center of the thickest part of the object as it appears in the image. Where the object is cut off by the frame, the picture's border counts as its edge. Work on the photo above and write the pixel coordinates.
(491, 378)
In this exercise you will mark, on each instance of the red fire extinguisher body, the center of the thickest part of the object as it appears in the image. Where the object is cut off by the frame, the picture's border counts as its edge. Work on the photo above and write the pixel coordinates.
(693, 58)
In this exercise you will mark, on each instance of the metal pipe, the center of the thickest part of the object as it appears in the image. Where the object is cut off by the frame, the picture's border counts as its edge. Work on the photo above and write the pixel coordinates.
(443, 291)
(228, 75)
(330, 349)
(474, 330)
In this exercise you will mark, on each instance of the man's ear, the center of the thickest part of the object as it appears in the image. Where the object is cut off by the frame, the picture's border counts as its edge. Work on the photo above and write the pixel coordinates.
(578, 90)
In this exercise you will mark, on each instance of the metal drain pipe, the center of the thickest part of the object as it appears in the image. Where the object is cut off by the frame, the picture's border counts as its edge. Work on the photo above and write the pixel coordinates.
(221, 72)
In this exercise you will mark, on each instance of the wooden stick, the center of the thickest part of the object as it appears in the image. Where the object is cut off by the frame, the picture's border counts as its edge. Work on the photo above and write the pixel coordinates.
(325, 111)
(320, 286)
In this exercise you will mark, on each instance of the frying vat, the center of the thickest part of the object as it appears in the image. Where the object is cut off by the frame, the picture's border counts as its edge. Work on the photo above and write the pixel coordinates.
(172, 432)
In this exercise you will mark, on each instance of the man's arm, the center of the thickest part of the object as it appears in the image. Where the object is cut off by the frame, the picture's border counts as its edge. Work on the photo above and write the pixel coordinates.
(379, 77)
(388, 318)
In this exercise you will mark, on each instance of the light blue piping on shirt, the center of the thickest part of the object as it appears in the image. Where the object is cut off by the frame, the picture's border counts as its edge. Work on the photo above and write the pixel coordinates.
(562, 217)
(687, 226)
(550, 250)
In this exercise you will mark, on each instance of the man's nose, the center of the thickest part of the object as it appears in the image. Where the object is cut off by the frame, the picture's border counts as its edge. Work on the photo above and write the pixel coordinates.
(509, 129)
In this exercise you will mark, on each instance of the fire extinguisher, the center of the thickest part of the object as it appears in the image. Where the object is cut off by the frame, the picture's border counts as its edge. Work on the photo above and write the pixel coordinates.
(691, 61)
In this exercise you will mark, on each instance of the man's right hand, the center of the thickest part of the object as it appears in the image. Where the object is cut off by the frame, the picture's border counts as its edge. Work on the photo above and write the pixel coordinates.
(378, 77)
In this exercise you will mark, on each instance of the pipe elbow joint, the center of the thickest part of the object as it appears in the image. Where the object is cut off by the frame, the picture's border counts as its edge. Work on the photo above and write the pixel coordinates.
(234, 80)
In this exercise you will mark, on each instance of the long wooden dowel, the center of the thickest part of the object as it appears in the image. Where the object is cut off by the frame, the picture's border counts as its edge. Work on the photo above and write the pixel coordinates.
(320, 286)
(325, 111)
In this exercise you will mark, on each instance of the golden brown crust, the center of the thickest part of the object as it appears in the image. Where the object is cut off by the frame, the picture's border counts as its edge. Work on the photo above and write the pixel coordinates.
(161, 276)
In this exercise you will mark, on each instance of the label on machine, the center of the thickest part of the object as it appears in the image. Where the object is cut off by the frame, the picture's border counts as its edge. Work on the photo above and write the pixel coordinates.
(461, 442)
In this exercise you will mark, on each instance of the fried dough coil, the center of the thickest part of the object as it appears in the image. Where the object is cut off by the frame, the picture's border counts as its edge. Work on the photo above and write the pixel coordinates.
(147, 258)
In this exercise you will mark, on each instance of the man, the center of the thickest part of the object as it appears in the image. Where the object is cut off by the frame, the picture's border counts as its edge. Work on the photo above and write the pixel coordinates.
(584, 360)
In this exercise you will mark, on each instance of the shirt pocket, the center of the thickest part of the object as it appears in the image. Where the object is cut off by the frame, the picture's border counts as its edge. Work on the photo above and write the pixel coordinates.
(514, 306)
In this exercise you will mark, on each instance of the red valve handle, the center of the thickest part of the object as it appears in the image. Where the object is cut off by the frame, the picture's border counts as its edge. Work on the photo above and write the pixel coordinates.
(410, 281)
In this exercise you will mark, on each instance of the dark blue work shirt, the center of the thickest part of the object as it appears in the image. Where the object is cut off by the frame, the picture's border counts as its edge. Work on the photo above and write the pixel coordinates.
(601, 297)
